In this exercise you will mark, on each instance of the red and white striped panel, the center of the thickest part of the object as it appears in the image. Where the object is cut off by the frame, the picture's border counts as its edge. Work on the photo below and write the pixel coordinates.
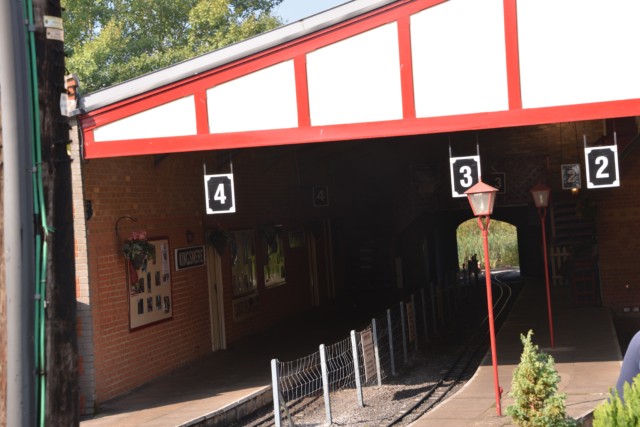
(410, 67)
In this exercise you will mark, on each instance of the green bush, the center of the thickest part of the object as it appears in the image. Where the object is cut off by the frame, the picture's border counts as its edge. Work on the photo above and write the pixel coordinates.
(617, 413)
(534, 389)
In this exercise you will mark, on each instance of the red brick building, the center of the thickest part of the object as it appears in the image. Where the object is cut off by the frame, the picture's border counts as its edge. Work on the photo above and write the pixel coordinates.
(337, 130)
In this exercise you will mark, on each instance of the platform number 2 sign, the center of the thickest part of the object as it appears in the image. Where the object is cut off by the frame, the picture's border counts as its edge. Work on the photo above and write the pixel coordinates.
(219, 194)
(602, 166)
(465, 173)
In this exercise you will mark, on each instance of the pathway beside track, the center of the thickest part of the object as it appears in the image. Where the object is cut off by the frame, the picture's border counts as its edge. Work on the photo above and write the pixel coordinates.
(586, 353)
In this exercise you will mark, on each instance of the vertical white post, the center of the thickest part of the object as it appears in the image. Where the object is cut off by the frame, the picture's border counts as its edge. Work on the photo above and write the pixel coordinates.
(414, 320)
(325, 383)
(276, 392)
(376, 350)
(356, 368)
(424, 315)
(390, 329)
(403, 322)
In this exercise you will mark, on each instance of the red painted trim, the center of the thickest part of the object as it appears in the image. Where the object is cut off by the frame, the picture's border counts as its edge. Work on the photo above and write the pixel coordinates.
(393, 128)
(87, 143)
(302, 91)
(513, 54)
(406, 67)
(286, 51)
(202, 116)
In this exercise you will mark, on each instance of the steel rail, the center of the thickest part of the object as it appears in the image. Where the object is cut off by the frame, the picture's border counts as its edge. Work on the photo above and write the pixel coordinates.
(462, 364)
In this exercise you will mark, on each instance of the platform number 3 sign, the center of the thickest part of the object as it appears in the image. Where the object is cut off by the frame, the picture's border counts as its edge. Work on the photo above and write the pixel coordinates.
(465, 173)
(602, 166)
(219, 194)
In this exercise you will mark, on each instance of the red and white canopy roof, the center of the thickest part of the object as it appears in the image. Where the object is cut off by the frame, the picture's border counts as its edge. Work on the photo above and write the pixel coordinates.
(376, 68)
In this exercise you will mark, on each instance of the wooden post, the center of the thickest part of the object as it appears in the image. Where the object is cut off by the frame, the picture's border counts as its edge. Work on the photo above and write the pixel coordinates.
(61, 345)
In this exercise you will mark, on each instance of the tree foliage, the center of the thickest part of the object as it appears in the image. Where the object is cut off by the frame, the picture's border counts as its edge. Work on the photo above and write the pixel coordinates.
(503, 243)
(616, 412)
(534, 389)
(110, 41)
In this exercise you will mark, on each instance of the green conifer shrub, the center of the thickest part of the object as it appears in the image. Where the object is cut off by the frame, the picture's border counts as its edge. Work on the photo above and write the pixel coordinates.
(614, 412)
(534, 389)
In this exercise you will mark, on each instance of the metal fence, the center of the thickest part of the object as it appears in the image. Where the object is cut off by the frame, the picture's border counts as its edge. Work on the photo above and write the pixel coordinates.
(367, 357)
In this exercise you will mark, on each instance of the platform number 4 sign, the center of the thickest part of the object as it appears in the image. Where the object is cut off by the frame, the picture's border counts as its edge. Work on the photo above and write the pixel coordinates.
(219, 194)
(602, 166)
(465, 173)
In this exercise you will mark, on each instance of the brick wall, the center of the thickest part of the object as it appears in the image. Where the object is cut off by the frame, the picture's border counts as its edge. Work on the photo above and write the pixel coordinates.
(618, 210)
(268, 191)
(273, 185)
(86, 369)
(618, 220)
(158, 195)
(166, 196)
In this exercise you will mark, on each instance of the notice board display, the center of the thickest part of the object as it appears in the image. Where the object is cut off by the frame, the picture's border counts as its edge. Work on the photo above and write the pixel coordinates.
(149, 286)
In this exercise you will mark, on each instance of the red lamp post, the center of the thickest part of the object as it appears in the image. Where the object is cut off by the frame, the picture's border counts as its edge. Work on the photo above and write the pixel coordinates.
(482, 197)
(540, 194)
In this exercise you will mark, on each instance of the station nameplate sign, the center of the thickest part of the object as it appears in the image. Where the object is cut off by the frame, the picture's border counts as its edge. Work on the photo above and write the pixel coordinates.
(189, 257)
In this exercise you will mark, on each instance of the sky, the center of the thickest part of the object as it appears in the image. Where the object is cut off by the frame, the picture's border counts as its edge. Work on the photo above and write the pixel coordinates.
(294, 10)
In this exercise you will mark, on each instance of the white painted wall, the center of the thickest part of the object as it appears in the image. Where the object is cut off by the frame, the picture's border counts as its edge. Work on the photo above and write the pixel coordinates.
(459, 59)
(571, 52)
(578, 51)
(356, 80)
(175, 118)
(265, 99)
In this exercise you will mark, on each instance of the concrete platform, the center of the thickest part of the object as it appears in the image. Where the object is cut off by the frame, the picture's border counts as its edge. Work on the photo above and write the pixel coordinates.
(586, 353)
(228, 383)
(217, 388)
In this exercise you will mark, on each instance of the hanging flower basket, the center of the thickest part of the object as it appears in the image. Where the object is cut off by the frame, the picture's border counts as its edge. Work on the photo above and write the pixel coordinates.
(219, 239)
(137, 248)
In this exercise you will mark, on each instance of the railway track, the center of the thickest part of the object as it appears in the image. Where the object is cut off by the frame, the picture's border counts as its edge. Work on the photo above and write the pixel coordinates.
(464, 365)
(460, 370)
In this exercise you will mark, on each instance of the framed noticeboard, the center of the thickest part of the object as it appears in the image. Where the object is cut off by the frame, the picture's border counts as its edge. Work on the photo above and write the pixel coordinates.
(149, 287)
